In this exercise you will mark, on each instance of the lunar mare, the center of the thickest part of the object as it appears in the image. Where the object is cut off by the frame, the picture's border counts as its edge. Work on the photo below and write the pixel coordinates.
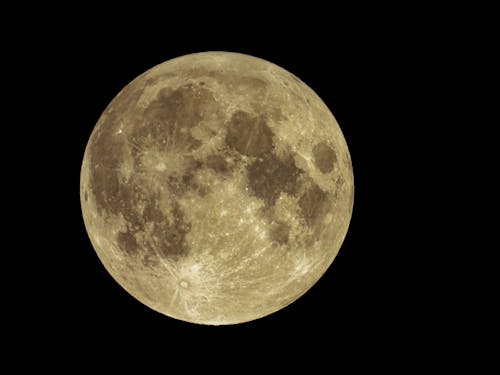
(216, 188)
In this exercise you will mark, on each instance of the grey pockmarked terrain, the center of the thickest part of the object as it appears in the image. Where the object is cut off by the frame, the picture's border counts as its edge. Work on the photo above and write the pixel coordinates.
(217, 188)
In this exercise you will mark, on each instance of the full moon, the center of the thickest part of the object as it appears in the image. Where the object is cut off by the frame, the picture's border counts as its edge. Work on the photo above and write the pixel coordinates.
(216, 188)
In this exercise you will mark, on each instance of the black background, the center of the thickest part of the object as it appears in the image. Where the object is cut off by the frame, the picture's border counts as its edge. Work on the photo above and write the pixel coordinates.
(372, 74)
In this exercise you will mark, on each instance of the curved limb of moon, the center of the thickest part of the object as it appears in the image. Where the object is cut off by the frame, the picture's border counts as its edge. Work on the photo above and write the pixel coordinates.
(215, 177)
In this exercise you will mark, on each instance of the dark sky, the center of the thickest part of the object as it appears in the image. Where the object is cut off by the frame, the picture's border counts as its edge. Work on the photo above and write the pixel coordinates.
(370, 77)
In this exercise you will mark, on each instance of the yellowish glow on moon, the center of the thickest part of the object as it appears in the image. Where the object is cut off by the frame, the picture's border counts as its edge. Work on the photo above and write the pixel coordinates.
(217, 188)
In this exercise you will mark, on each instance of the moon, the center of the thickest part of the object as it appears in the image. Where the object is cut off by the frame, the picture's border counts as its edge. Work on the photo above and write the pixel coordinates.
(216, 188)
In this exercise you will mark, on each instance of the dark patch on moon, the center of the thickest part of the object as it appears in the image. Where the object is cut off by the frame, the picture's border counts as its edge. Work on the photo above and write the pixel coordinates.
(311, 203)
(279, 232)
(179, 185)
(165, 124)
(269, 176)
(174, 112)
(106, 189)
(152, 213)
(190, 183)
(130, 195)
(150, 261)
(249, 135)
(175, 185)
(218, 163)
(171, 236)
(324, 157)
(127, 242)
(168, 238)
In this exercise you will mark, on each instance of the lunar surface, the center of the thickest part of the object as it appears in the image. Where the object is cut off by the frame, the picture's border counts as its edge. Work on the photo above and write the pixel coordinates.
(216, 188)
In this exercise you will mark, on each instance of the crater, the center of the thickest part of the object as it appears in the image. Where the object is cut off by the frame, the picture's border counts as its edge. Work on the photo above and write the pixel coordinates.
(269, 176)
(249, 135)
(324, 157)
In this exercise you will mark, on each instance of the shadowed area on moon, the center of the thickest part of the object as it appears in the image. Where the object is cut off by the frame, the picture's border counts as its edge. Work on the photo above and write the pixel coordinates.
(153, 155)
(268, 175)
(324, 157)
(249, 135)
